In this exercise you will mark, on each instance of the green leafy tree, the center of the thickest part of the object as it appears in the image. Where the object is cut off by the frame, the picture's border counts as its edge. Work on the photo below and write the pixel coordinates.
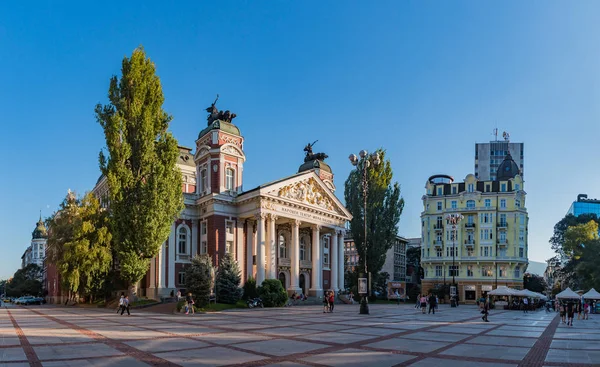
(272, 293)
(384, 207)
(582, 244)
(534, 283)
(26, 281)
(79, 244)
(199, 279)
(250, 290)
(227, 283)
(144, 183)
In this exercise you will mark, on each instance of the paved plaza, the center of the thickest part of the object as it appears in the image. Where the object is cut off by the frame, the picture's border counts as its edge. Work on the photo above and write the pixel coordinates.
(298, 336)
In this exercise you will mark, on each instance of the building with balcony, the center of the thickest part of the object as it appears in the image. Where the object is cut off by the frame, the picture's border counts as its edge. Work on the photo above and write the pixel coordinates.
(583, 205)
(489, 245)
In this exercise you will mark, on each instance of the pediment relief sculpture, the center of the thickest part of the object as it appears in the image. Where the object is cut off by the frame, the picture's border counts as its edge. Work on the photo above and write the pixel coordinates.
(309, 192)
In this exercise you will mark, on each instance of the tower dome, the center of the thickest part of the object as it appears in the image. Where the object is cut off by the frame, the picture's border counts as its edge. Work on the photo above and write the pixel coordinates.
(507, 169)
(40, 230)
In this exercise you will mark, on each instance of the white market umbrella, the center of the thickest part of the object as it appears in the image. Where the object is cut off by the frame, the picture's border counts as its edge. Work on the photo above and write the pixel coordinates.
(592, 294)
(502, 291)
(568, 294)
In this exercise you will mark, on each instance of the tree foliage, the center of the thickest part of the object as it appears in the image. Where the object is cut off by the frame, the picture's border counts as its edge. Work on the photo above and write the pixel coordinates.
(249, 290)
(26, 281)
(227, 283)
(272, 293)
(199, 279)
(144, 183)
(534, 283)
(577, 246)
(384, 207)
(79, 244)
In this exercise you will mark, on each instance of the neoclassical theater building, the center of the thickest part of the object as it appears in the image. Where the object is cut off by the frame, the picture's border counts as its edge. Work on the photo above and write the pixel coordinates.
(291, 229)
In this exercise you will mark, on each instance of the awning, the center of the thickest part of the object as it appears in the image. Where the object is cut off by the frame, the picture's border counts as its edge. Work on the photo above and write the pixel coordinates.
(568, 294)
(591, 294)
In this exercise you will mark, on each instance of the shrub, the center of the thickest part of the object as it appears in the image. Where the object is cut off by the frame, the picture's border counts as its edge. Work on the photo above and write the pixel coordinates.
(272, 293)
(250, 290)
(199, 279)
(227, 282)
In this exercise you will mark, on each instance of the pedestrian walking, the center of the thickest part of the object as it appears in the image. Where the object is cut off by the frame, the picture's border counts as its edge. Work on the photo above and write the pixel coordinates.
(326, 302)
(579, 310)
(121, 302)
(437, 302)
(563, 312)
(178, 296)
(525, 304)
(570, 313)
(485, 311)
(423, 304)
(189, 300)
(397, 295)
(418, 304)
(125, 306)
(331, 301)
(432, 303)
(586, 311)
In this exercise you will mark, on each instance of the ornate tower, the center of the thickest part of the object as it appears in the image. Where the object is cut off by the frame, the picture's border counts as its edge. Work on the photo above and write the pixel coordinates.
(219, 155)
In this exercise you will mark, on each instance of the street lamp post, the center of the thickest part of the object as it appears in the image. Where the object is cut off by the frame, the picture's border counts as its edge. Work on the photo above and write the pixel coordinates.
(362, 164)
(454, 221)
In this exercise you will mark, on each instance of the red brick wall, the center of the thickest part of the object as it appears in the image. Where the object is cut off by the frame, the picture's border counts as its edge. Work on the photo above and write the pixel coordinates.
(215, 177)
(216, 237)
(326, 277)
(178, 269)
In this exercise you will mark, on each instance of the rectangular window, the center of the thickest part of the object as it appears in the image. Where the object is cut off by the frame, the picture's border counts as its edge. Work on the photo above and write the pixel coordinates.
(453, 190)
(439, 191)
(521, 252)
(517, 203)
(522, 219)
(438, 271)
(470, 187)
(203, 247)
(438, 252)
(439, 205)
(229, 227)
(488, 203)
(228, 247)
(203, 181)
(487, 188)
(470, 252)
(454, 204)
(486, 271)
(503, 203)
(501, 271)
(203, 228)
(181, 278)
(470, 270)
(229, 179)
(517, 187)
(326, 250)
(453, 270)
(503, 187)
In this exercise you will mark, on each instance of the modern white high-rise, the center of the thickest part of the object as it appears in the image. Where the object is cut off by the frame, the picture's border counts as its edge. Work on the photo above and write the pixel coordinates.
(488, 157)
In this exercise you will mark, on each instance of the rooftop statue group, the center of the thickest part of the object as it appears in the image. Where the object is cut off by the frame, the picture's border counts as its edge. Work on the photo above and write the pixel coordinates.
(310, 156)
(215, 114)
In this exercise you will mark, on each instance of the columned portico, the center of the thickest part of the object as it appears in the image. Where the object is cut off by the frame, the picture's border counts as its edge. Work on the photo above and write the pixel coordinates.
(334, 261)
(272, 252)
(260, 248)
(295, 257)
(249, 248)
(316, 288)
(341, 265)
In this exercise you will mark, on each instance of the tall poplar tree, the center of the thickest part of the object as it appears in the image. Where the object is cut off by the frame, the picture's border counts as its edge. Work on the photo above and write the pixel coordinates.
(384, 207)
(144, 182)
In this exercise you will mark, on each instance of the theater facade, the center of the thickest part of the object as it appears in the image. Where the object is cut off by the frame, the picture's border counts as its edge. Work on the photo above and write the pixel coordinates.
(291, 229)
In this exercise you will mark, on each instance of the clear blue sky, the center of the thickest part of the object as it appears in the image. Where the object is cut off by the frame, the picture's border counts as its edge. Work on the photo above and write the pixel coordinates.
(424, 79)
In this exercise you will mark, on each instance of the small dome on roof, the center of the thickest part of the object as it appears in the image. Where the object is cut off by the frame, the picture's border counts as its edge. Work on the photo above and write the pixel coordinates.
(39, 231)
(507, 169)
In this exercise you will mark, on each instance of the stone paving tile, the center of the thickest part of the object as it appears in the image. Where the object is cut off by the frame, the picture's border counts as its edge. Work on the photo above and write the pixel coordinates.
(357, 357)
(372, 331)
(215, 356)
(287, 331)
(340, 338)
(280, 347)
(516, 333)
(286, 364)
(325, 327)
(503, 340)
(98, 362)
(165, 345)
(492, 351)
(8, 339)
(573, 356)
(408, 345)
(75, 351)
(231, 338)
(190, 330)
(435, 335)
(12, 354)
(438, 362)
(576, 335)
(574, 344)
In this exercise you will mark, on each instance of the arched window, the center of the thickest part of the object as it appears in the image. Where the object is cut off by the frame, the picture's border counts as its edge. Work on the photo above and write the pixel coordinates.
(229, 175)
(282, 247)
(302, 249)
(182, 241)
(203, 180)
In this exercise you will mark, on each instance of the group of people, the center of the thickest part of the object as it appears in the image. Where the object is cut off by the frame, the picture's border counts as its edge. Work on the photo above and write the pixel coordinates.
(124, 304)
(294, 298)
(328, 301)
(568, 309)
(424, 300)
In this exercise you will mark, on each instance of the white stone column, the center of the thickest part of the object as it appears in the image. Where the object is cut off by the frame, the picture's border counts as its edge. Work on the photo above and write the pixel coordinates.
(317, 265)
(334, 261)
(295, 257)
(194, 237)
(239, 248)
(341, 263)
(260, 248)
(171, 264)
(161, 265)
(272, 253)
(152, 273)
(249, 248)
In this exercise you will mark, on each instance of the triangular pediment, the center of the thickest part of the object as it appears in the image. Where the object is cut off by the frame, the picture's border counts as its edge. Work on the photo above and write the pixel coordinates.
(309, 190)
